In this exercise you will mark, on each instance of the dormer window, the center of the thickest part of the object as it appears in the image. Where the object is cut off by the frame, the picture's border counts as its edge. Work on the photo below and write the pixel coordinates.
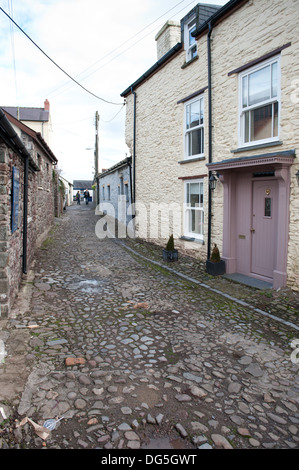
(189, 40)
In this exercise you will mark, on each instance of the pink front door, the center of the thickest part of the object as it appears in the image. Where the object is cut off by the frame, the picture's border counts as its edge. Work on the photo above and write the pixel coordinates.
(264, 227)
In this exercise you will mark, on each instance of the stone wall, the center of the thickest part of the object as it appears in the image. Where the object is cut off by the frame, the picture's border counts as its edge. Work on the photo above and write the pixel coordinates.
(255, 29)
(11, 243)
(160, 143)
(40, 220)
(263, 26)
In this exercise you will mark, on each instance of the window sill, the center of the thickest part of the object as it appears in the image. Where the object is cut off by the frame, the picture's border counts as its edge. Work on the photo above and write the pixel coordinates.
(190, 160)
(189, 62)
(192, 239)
(258, 146)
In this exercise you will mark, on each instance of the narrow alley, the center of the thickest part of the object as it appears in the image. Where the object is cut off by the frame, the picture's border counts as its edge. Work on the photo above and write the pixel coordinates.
(132, 356)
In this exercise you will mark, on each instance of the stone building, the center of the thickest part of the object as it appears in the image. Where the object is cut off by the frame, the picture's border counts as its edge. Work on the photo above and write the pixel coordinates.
(38, 119)
(27, 202)
(221, 106)
(115, 193)
(81, 186)
(68, 191)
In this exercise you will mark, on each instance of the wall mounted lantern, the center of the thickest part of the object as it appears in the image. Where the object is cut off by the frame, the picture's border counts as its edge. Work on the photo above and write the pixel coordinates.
(212, 182)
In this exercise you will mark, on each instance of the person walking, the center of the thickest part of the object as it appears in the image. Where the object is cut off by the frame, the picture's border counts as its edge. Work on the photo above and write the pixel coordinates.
(78, 197)
(86, 195)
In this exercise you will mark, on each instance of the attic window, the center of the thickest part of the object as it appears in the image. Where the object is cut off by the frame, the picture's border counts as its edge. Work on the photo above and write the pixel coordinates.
(189, 40)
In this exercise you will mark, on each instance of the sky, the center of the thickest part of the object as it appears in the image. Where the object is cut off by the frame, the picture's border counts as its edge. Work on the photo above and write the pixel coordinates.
(103, 45)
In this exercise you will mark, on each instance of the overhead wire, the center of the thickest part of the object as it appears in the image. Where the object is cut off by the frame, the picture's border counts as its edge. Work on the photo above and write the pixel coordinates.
(106, 55)
(72, 133)
(125, 42)
(125, 50)
(122, 52)
(74, 122)
(132, 45)
(58, 66)
(10, 9)
(118, 112)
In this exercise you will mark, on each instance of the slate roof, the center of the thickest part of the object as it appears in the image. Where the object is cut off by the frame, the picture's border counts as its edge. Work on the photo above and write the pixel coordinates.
(82, 184)
(11, 138)
(28, 114)
(115, 167)
(204, 12)
(227, 9)
(36, 136)
(244, 160)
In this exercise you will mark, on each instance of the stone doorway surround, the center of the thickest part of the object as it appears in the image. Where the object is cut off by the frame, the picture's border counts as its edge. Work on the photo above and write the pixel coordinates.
(236, 175)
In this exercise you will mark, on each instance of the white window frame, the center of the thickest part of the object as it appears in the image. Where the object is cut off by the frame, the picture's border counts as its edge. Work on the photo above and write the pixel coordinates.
(272, 100)
(198, 208)
(187, 156)
(191, 24)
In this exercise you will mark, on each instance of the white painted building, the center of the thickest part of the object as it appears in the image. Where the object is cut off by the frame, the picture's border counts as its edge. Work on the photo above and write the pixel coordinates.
(222, 103)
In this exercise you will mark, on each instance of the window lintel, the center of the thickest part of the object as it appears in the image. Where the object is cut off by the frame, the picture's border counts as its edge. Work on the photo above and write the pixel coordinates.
(260, 59)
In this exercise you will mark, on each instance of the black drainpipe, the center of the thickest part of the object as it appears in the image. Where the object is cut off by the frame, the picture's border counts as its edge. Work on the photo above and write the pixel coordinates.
(130, 175)
(210, 137)
(25, 213)
(134, 150)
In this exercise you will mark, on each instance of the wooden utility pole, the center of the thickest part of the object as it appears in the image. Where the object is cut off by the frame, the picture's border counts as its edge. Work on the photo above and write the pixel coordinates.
(96, 157)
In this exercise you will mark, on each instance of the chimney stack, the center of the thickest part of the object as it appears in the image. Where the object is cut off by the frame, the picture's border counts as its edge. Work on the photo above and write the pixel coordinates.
(168, 36)
(46, 105)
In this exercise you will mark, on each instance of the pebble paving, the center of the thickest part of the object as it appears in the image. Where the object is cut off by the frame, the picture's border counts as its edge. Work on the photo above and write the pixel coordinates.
(133, 357)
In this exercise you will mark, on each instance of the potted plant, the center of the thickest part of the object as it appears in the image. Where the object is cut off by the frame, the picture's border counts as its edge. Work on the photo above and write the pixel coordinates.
(215, 265)
(170, 253)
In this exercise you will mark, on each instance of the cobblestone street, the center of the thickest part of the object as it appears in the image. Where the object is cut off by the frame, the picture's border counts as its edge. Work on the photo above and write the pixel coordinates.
(134, 356)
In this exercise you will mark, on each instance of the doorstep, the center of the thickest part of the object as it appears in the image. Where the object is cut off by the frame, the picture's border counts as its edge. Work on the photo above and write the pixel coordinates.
(249, 281)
